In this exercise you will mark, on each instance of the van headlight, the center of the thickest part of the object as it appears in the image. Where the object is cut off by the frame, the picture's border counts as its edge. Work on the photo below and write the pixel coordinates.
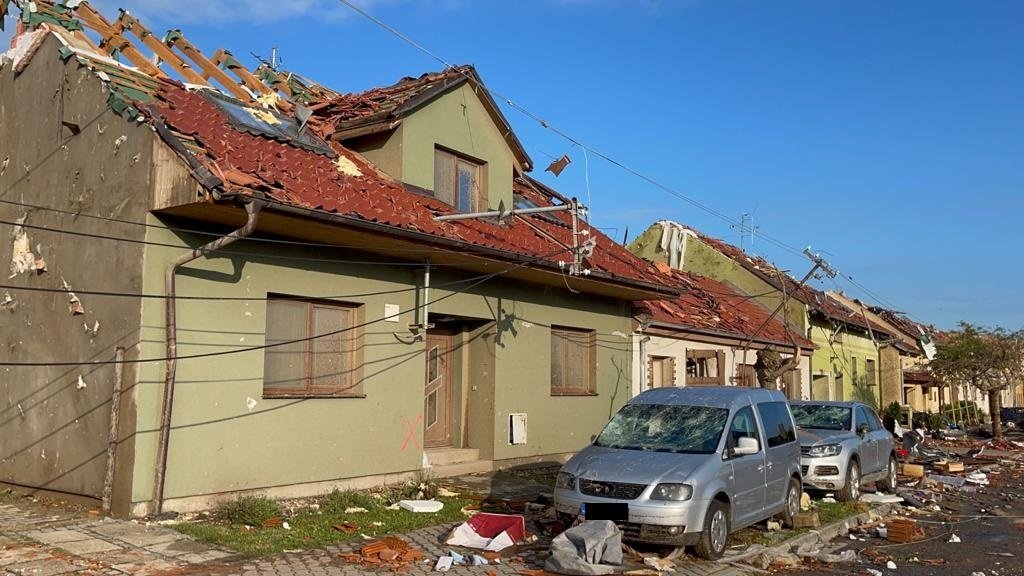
(565, 480)
(824, 450)
(677, 492)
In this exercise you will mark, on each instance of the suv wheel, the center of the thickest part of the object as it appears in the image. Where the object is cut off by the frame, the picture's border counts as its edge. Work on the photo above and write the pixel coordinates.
(851, 489)
(792, 503)
(889, 482)
(712, 541)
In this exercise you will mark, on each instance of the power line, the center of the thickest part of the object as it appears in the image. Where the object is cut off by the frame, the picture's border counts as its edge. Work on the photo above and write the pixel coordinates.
(200, 232)
(526, 112)
(227, 252)
(485, 278)
(144, 295)
(544, 124)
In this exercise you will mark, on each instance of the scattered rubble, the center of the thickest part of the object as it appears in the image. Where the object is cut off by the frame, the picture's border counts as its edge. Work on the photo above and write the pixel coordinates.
(391, 553)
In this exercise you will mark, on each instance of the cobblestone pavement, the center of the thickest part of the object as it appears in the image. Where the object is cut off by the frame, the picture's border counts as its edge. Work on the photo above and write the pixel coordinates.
(47, 541)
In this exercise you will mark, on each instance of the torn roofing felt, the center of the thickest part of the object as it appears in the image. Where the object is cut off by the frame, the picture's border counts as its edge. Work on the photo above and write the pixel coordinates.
(714, 307)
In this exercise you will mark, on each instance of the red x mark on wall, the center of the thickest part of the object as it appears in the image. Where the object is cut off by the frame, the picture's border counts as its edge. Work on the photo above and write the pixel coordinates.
(411, 436)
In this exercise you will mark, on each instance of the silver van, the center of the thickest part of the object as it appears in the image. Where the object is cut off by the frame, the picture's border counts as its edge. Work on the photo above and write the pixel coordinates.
(688, 466)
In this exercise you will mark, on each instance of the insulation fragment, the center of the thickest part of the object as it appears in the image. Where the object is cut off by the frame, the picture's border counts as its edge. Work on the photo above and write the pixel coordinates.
(22, 258)
(347, 167)
(74, 304)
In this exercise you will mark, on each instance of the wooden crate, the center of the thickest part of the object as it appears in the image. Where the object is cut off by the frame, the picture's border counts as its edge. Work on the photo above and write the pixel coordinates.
(903, 530)
(913, 470)
(806, 520)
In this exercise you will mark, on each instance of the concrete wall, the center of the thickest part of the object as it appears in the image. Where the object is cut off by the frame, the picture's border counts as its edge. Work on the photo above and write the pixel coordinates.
(676, 348)
(457, 120)
(227, 437)
(53, 426)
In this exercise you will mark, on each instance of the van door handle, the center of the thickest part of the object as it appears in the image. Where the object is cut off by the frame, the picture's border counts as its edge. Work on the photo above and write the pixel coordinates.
(770, 464)
(760, 468)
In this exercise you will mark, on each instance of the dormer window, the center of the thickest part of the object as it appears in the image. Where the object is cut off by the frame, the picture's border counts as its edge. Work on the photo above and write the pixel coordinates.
(458, 181)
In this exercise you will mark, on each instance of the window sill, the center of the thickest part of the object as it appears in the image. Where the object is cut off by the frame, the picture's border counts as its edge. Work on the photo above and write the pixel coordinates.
(573, 393)
(312, 395)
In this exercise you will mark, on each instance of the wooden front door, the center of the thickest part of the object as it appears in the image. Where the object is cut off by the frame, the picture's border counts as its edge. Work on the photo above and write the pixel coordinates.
(437, 392)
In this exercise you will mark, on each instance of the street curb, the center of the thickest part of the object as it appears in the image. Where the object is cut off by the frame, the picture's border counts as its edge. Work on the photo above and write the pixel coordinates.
(819, 536)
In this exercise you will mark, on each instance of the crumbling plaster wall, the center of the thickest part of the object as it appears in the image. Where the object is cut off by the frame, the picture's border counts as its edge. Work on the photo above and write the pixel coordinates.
(62, 148)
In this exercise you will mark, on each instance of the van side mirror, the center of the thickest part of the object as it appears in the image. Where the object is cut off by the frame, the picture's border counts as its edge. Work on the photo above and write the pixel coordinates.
(862, 429)
(745, 446)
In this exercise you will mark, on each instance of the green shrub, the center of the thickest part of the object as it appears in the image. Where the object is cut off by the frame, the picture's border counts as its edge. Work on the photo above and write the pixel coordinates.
(894, 410)
(337, 501)
(248, 510)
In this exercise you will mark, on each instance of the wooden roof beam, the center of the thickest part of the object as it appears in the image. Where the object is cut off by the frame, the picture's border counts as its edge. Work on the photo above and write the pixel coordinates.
(177, 40)
(128, 22)
(113, 41)
(226, 60)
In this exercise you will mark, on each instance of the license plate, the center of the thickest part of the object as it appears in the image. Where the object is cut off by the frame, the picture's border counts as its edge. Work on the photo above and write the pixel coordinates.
(614, 511)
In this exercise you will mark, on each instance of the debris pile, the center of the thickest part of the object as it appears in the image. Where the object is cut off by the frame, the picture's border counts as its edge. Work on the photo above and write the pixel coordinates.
(390, 552)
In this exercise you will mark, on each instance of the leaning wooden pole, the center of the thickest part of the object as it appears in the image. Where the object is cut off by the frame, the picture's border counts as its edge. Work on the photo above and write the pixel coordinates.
(115, 409)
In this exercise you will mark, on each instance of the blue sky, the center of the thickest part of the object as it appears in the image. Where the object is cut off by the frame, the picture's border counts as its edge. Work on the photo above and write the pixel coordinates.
(889, 136)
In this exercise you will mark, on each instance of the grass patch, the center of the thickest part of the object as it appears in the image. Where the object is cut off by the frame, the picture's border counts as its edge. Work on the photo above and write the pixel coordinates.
(312, 528)
(828, 512)
(9, 496)
(251, 510)
(340, 500)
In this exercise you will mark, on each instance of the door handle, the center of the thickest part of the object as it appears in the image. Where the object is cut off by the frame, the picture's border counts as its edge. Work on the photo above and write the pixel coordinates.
(770, 464)
(760, 468)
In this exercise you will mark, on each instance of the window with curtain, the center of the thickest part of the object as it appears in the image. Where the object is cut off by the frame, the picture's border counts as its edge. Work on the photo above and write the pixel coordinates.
(573, 367)
(314, 348)
(458, 181)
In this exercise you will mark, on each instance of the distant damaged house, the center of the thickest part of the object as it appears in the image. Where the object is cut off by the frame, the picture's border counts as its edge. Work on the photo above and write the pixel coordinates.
(847, 344)
(710, 336)
(277, 285)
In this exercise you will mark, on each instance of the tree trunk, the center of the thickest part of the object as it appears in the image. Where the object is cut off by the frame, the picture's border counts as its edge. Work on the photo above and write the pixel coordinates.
(995, 398)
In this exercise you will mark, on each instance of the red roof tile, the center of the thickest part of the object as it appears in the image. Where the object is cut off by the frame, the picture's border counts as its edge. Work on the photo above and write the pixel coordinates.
(709, 305)
(306, 179)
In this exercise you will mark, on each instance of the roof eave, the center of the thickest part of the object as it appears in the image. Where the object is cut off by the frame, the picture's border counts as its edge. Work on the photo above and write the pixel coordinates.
(725, 334)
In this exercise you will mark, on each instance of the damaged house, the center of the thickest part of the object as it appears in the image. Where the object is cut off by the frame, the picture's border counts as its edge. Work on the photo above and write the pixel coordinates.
(227, 281)
(846, 344)
(711, 336)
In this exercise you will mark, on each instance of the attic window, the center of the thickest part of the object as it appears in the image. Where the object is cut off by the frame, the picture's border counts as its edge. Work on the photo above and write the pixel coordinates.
(269, 123)
(458, 181)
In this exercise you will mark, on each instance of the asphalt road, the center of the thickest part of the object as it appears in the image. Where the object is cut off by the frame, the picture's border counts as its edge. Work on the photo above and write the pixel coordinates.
(988, 520)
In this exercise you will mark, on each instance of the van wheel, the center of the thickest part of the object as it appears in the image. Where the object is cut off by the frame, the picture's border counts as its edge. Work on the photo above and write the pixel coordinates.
(889, 482)
(792, 503)
(711, 545)
(851, 489)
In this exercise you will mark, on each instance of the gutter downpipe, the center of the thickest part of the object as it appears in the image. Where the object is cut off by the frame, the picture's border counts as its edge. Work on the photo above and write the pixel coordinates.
(252, 208)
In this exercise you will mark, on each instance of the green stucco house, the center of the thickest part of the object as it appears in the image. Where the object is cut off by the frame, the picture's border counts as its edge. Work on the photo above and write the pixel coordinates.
(220, 291)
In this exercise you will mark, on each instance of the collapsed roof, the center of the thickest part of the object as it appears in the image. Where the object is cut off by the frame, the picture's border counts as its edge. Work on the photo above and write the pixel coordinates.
(243, 136)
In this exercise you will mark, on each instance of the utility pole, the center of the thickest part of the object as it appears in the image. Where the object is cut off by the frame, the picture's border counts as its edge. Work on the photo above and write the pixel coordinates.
(819, 264)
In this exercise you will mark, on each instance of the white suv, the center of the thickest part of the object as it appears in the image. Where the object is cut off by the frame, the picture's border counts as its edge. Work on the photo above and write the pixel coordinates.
(842, 445)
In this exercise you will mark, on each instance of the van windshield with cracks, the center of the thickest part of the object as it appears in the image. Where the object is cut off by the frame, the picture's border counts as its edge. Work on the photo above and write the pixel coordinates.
(665, 428)
(822, 416)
